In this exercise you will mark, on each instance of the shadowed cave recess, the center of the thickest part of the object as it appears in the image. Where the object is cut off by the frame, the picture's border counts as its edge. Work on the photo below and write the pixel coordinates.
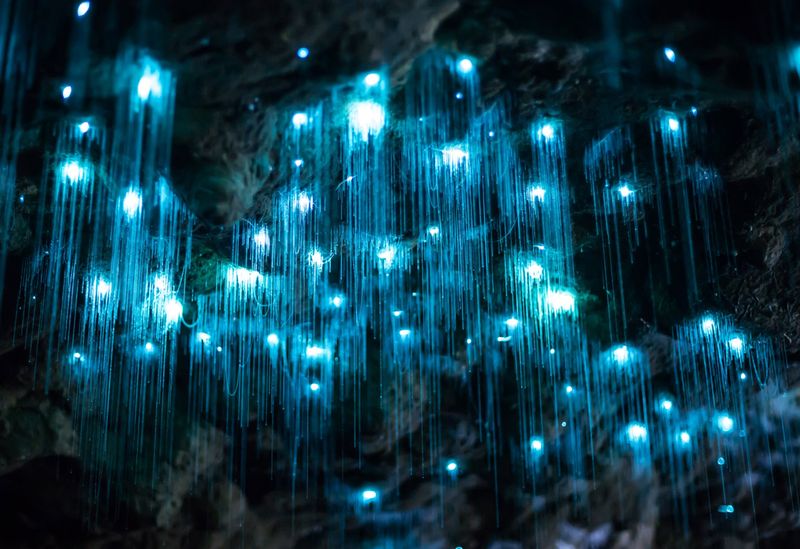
(399, 274)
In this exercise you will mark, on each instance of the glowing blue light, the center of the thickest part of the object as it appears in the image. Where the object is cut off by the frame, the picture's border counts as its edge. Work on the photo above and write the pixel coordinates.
(743, 376)
(66, 91)
(537, 445)
(534, 270)
(219, 349)
(693, 110)
(708, 325)
(433, 230)
(454, 156)
(21, 198)
(83, 8)
(725, 509)
(315, 351)
(569, 389)
(674, 124)
(459, 95)
(372, 79)
(173, 310)
(132, 203)
(736, 344)
(396, 313)
(273, 339)
(299, 119)
(625, 191)
(203, 337)
(724, 423)
(666, 405)
(76, 356)
(560, 301)
(547, 131)
(149, 347)
(337, 301)
(261, 238)
(503, 339)
(73, 172)
(302, 53)
(563, 423)
(404, 333)
(669, 53)
(162, 284)
(303, 202)
(101, 286)
(315, 259)
(636, 433)
(369, 495)
(721, 461)
(149, 84)
(387, 255)
(465, 65)
(511, 323)
(298, 162)
(552, 351)
(620, 354)
(84, 127)
(451, 466)
(469, 341)
(314, 387)
(685, 437)
(536, 193)
(366, 118)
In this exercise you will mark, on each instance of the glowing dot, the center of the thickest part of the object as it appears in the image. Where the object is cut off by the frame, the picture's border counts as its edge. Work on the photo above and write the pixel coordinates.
(369, 495)
(273, 340)
(302, 53)
(102, 286)
(337, 301)
(743, 376)
(669, 53)
(452, 466)
(547, 131)
(469, 341)
(511, 323)
(674, 124)
(132, 203)
(693, 110)
(465, 65)
(298, 162)
(433, 230)
(685, 437)
(261, 238)
(315, 351)
(503, 339)
(219, 349)
(636, 432)
(736, 344)
(491, 134)
(21, 198)
(83, 8)
(721, 461)
(315, 259)
(459, 95)
(66, 91)
(560, 301)
(73, 172)
(149, 84)
(203, 337)
(404, 333)
(569, 389)
(625, 191)
(397, 313)
(534, 270)
(620, 354)
(76, 356)
(314, 387)
(453, 156)
(536, 194)
(148, 347)
(537, 445)
(552, 351)
(563, 423)
(725, 509)
(372, 79)
(173, 310)
(299, 119)
(725, 423)
(162, 283)
(708, 325)
(387, 255)
(84, 127)
(303, 202)
(366, 118)
(666, 405)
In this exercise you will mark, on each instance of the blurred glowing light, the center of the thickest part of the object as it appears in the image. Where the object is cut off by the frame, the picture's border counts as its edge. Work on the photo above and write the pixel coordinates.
(636, 432)
(547, 131)
(465, 65)
(537, 445)
(674, 124)
(173, 310)
(560, 301)
(66, 91)
(366, 118)
(669, 53)
(83, 8)
(302, 53)
(149, 84)
(536, 193)
(372, 79)
(203, 337)
(273, 340)
(299, 119)
(534, 270)
(132, 203)
(453, 156)
(84, 127)
(724, 423)
(314, 387)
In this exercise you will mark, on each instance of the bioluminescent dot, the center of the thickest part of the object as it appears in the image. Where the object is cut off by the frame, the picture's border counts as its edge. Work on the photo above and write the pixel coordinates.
(721, 461)
(708, 325)
(620, 354)
(261, 238)
(372, 79)
(369, 495)
(469, 341)
(560, 301)
(219, 349)
(315, 259)
(724, 423)
(303, 202)
(465, 65)
(149, 347)
(547, 131)
(725, 509)
(537, 445)
(404, 333)
(451, 466)
(693, 110)
(569, 389)
(743, 376)
(366, 118)
(149, 84)
(511, 323)
(83, 8)
(454, 156)
(337, 301)
(459, 95)
(273, 339)
(736, 344)
(315, 351)
(433, 230)
(669, 54)
(132, 203)
(73, 172)
(673, 124)
(298, 162)
(302, 53)
(503, 339)
(203, 337)
(299, 119)
(387, 255)
(625, 191)
(636, 432)
(76, 356)
(66, 91)
(173, 311)
(666, 405)
(84, 127)
(534, 270)
(397, 313)
(684, 437)
(314, 387)
(536, 193)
